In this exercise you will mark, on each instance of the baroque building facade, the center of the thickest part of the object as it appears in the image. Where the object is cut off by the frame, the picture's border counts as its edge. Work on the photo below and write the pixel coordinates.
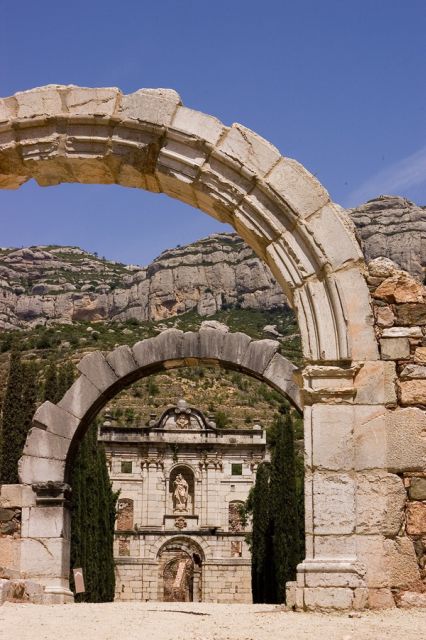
(182, 481)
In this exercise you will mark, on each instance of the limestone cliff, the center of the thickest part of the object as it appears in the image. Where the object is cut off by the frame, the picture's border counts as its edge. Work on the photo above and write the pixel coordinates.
(47, 285)
(44, 285)
(395, 228)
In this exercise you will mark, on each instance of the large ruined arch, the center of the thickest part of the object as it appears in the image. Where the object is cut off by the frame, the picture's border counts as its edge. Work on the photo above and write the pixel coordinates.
(148, 140)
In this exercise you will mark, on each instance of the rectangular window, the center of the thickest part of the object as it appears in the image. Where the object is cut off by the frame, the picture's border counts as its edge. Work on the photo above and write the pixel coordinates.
(237, 469)
(126, 467)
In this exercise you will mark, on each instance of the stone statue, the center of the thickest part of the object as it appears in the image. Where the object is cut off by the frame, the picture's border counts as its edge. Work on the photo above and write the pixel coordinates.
(180, 494)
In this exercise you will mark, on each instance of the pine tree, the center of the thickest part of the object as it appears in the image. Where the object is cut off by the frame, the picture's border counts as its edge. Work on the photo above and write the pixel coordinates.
(283, 501)
(12, 420)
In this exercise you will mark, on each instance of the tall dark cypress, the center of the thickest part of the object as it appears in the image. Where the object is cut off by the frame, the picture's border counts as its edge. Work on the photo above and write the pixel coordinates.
(51, 391)
(12, 421)
(283, 500)
(92, 520)
(262, 570)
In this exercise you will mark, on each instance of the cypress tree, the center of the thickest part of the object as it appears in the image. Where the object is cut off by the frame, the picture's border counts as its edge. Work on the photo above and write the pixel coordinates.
(12, 420)
(262, 570)
(51, 391)
(283, 501)
(92, 520)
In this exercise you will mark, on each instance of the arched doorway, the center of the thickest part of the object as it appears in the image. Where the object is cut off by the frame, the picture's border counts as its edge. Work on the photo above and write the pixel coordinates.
(180, 571)
(149, 140)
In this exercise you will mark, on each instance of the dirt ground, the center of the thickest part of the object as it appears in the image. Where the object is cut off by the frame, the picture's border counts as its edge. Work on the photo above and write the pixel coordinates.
(189, 621)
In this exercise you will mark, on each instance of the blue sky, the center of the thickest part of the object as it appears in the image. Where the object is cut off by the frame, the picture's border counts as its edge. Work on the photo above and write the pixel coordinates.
(340, 85)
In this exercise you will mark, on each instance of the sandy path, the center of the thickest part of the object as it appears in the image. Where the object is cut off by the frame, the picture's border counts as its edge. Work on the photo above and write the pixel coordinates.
(165, 621)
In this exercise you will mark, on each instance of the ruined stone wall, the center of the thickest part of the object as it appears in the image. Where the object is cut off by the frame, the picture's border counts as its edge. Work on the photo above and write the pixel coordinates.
(399, 305)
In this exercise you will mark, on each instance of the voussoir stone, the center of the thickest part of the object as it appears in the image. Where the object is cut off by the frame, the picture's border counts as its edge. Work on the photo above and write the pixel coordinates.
(259, 354)
(122, 361)
(155, 106)
(56, 420)
(302, 192)
(249, 149)
(234, 347)
(96, 368)
(80, 397)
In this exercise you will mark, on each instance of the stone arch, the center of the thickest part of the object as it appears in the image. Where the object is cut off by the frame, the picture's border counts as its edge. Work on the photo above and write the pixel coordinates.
(149, 140)
(58, 429)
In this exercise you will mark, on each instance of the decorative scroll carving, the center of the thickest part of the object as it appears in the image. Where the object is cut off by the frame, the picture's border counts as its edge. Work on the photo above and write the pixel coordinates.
(254, 461)
(153, 461)
(52, 492)
(211, 461)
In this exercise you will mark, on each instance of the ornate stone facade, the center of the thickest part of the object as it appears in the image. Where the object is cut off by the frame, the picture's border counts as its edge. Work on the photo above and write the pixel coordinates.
(179, 532)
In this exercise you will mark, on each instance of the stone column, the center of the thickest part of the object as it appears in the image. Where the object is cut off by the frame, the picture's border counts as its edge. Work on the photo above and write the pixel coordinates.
(45, 544)
(331, 576)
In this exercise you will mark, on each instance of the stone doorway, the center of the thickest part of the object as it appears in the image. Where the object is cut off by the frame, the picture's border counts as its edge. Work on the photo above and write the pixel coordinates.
(180, 572)
(178, 578)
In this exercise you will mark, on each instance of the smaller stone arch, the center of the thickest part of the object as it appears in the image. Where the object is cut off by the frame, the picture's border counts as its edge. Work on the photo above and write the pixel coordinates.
(180, 562)
(58, 429)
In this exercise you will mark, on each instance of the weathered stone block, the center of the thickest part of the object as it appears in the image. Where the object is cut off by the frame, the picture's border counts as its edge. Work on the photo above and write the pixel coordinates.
(44, 444)
(416, 518)
(259, 354)
(412, 599)
(211, 343)
(280, 372)
(333, 232)
(420, 355)
(413, 372)
(394, 348)
(417, 490)
(400, 288)
(121, 360)
(45, 557)
(83, 101)
(249, 150)
(332, 437)
(166, 346)
(197, 124)
(302, 192)
(155, 106)
(402, 562)
(380, 599)
(235, 346)
(56, 420)
(328, 599)
(80, 397)
(385, 317)
(333, 503)
(33, 470)
(380, 503)
(413, 392)
(375, 383)
(95, 367)
(43, 101)
(46, 522)
(406, 446)
(402, 332)
(411, 313)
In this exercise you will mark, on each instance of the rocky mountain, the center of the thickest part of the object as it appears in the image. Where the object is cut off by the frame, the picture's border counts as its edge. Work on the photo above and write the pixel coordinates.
(50, 284)
(45, 285)
(393, 227)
